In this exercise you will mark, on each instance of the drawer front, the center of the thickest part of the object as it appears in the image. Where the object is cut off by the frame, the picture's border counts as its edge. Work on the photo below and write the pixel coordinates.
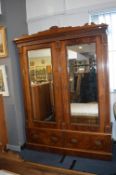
(45, 137)
(88, 141)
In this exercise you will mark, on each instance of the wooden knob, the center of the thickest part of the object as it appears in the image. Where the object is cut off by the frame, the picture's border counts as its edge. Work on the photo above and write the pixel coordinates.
(98, 142)
(74, 141)
(54, 139)
(35, 136)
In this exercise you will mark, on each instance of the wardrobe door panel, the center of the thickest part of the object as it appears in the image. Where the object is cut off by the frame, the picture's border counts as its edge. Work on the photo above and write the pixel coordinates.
(42, 91)
(83, 88)
(41, 84)
(81, 83)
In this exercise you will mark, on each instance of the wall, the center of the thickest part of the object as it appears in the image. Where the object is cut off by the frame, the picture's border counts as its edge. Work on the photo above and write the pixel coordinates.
(41, 16)
(0, 7)
(13, 17)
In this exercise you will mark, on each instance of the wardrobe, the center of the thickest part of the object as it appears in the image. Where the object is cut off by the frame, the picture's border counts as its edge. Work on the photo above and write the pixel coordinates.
(65, 82)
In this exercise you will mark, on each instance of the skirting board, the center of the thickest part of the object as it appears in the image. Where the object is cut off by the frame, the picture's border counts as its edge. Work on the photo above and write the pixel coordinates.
(14, 147)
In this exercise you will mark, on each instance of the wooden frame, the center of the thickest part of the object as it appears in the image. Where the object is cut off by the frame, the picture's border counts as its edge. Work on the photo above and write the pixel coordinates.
(3, 81)
(3, 130)
(3, 47)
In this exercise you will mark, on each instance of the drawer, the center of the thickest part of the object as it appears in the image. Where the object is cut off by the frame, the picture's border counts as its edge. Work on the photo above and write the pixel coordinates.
(45, 137)
(88, 141)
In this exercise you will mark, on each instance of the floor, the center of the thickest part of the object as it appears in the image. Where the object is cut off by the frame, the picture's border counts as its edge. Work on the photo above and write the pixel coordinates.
(99, 167)
(12, 164)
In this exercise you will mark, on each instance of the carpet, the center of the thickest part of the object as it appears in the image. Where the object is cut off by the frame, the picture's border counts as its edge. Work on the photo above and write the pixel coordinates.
(100, 167)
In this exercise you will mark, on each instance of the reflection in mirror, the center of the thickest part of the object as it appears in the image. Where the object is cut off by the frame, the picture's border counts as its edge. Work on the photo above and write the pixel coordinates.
(41, 80)
(83, 83)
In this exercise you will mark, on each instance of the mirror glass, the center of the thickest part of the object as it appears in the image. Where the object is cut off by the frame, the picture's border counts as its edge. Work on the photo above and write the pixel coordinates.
(83, 83)
(41, 82)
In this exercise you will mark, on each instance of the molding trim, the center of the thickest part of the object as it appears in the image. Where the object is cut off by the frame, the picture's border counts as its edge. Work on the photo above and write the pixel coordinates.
(14, 147)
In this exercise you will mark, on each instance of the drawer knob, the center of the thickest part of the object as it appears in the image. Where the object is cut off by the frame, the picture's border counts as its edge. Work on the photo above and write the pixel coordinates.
(54, 139)
(98, 143)
(74, 141)
(35, 136)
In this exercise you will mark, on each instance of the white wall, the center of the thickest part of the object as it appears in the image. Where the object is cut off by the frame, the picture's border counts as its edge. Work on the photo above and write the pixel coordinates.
(42, 14)
(71, 4)
(37, 8)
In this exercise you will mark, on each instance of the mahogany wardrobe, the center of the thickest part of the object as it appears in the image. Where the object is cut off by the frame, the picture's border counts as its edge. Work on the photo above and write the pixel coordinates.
(66, 90)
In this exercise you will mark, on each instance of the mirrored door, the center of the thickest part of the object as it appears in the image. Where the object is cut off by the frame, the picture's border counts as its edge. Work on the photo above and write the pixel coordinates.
(41, 83)
(82, 70)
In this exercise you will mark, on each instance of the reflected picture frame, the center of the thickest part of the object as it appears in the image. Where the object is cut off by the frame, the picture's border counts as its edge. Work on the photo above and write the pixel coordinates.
(3, 81)
(3, 45)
